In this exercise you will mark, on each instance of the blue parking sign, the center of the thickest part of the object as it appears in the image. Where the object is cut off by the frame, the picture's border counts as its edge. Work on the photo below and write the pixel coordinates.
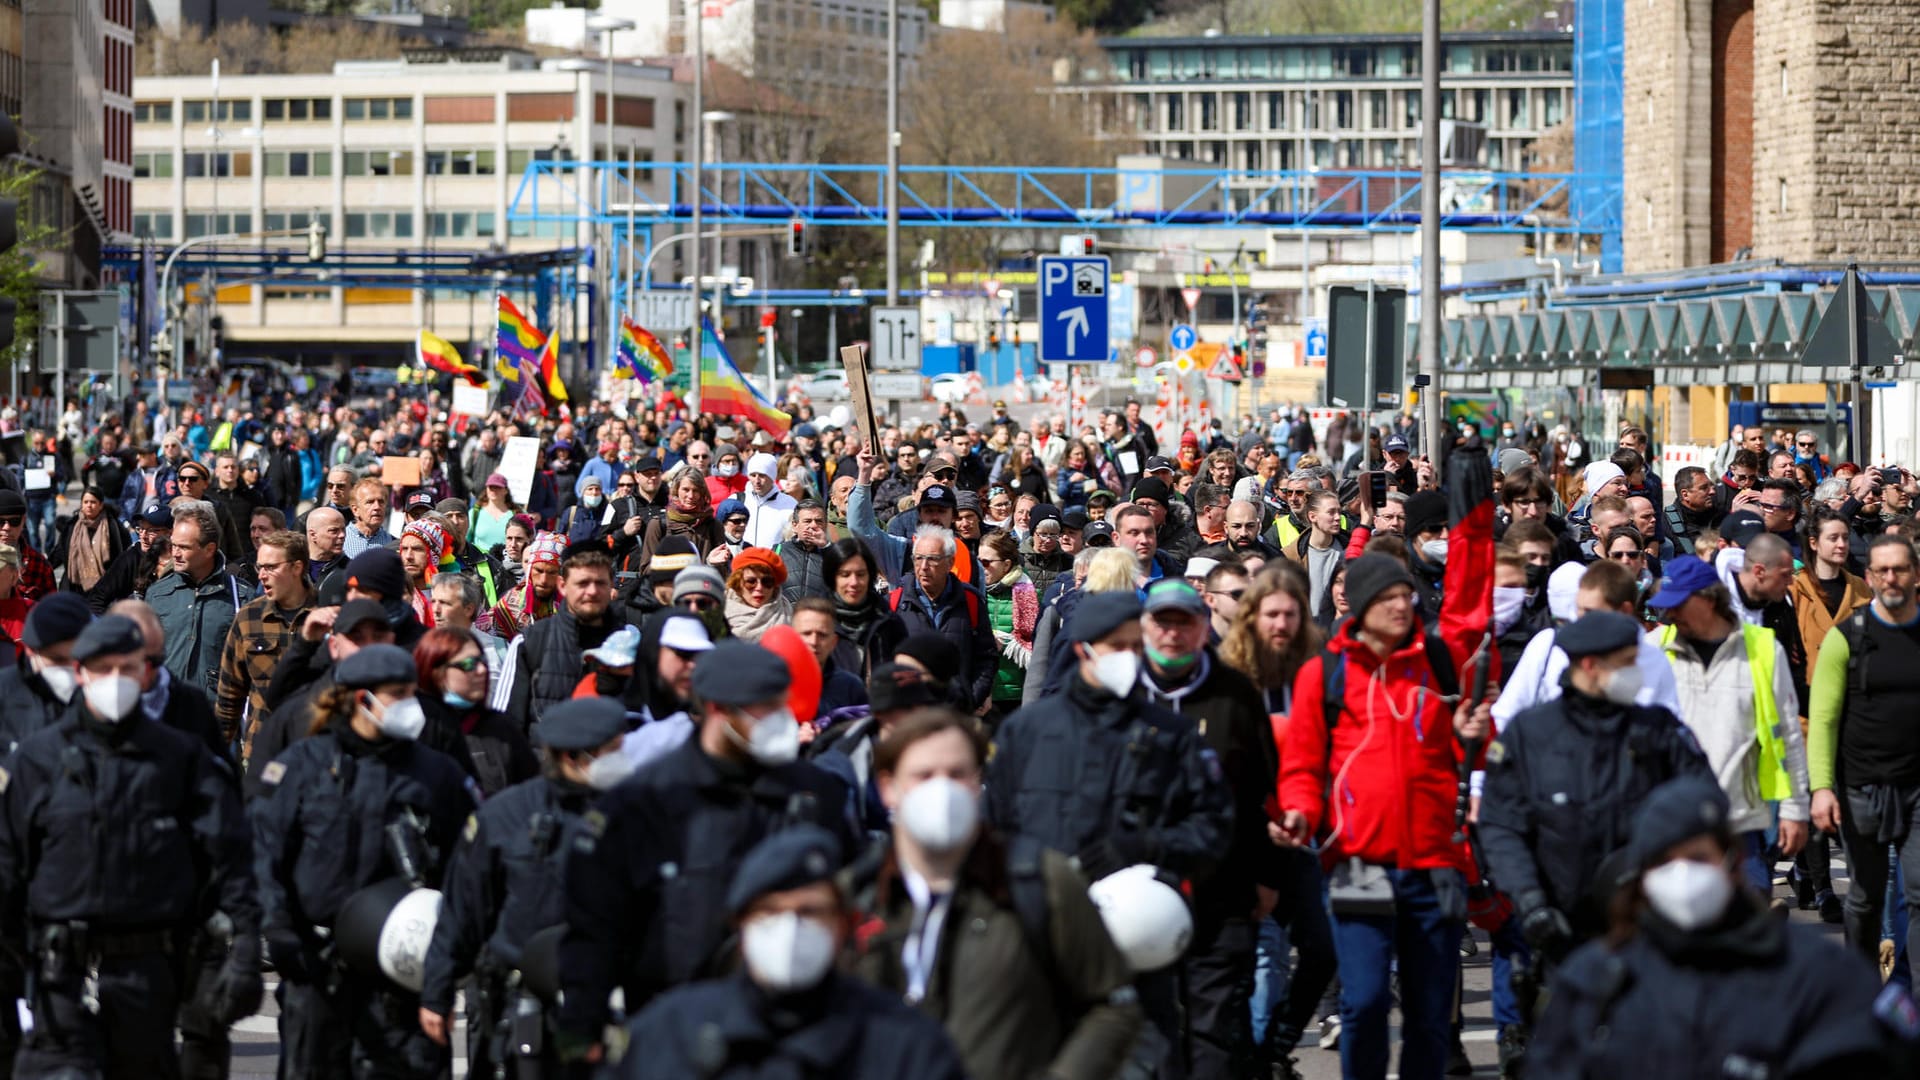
(1074, 312)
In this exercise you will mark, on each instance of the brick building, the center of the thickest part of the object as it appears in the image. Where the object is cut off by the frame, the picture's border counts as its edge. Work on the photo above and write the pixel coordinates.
(1783, 128)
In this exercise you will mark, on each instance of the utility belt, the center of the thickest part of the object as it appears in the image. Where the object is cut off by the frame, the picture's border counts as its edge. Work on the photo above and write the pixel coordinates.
(77, 941)
(515, 1017)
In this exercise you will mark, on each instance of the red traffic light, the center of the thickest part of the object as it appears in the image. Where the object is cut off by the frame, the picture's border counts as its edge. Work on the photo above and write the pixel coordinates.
(796, 236)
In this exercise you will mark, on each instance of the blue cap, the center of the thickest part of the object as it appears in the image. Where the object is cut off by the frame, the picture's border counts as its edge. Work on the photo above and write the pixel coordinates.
(1674, 813)
(376, 665)
(736, 672)
(729, 507)
(1596, 633)
(1100, 614)
(581, 724)
(1394, 442)
(1686, 575)
(789, 859)
(1740, 527)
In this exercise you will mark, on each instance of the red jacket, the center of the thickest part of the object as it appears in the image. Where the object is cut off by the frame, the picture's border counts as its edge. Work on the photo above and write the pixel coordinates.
(1392, 761)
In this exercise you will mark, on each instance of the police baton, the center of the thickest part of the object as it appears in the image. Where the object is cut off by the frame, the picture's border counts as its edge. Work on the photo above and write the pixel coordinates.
(1479, 667)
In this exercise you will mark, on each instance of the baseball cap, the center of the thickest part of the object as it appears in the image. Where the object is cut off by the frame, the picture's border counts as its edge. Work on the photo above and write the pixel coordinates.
(419, 502)
(1174, 594)
(1685, 576)
(1158, 463)
(1097, 534)
(1394, 442)
(1740, 527)
(939, 495)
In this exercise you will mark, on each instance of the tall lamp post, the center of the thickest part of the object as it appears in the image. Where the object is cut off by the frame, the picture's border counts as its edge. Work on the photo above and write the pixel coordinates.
(696, 344)
(712, 121)
(606, 26)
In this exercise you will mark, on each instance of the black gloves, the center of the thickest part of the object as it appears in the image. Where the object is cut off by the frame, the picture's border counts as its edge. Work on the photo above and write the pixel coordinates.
(1117, 852)
(289, 955)
(1547, 930)
(237, 990)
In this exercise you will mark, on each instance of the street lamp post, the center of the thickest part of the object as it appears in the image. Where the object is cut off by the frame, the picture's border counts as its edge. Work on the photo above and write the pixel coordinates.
(605, 25)
(893, 152)
(698, 152)
(712, 121)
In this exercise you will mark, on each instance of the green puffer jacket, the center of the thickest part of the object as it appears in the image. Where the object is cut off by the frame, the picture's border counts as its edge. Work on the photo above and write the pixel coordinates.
(1013, 609)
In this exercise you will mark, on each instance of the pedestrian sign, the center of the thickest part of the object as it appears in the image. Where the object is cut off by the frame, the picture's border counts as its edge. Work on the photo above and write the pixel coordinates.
(1225, 369)
(1073, 309)
(1183, 338)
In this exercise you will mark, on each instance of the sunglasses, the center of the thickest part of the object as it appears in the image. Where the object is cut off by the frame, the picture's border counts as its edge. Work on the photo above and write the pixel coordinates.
(1773, 508)
(755, 581)
(945, 474)
(469, 665)
(1233, 593)
(699, 603)
(1627, 556)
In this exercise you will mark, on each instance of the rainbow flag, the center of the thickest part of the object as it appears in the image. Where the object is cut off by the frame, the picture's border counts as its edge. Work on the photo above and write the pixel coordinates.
(547, 374)
(520, 347)
(438, 354)
(638, 354)
(724, 391)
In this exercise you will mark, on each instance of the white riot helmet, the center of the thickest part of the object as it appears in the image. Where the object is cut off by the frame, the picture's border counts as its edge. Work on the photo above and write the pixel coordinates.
(1147, 918)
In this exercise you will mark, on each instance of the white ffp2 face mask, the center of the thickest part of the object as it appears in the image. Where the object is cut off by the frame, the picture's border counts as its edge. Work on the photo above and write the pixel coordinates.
(940, 814)
(774, 738)
(113, 696)
(1688, 894)
(1117, 671)
(1623, 684)
(60, 679)
(786, 952)
(609, 770)
(403, 720)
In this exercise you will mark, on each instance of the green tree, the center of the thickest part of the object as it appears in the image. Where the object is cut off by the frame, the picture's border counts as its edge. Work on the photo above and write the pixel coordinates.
(20, 279)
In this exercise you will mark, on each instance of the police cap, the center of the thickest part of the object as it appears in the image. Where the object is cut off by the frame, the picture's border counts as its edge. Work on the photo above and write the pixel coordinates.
(1597, 632)
(739, 672)
(581, 724)
(1100, 614)
(375, 665)
(109, 635)
(355, 613)
(1675, 812)
(59, 617)
(789, 859)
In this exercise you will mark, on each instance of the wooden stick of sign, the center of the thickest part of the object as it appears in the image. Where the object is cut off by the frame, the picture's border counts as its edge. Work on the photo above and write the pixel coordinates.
(855, 358)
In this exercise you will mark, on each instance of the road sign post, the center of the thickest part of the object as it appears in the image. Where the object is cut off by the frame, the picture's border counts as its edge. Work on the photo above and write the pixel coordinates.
(896, 339)
(1852, 334)
(1074, 316)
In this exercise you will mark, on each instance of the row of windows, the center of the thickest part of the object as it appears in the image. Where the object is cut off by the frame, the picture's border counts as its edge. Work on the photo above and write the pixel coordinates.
(297, 109)
(1343, 110)
(159, 165)
(1331, 61)
(1285, 155)
(240, 110)
(368, 224)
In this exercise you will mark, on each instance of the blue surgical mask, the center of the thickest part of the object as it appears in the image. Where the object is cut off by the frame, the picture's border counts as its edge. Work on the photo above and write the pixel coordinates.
(458, 701)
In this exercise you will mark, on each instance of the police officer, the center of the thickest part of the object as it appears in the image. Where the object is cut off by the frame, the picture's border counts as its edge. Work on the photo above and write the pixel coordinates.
(788, 1012)
(1101, 773)
(121, 837)
(1698, 978)
(646, 879)
(35, 691)
(357, 803)
(503, 885)
(1564, 781)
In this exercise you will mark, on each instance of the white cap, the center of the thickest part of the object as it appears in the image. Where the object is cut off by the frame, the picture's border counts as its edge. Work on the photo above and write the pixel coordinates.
(684, 633)
(763, 465)
(619, 650)
(1200, 568)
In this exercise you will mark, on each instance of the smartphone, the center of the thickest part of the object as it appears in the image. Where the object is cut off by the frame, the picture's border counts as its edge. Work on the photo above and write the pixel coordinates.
(1378, 492)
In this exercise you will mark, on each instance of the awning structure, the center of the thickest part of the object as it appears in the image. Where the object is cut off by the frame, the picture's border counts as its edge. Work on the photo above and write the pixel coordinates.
(1710, 340)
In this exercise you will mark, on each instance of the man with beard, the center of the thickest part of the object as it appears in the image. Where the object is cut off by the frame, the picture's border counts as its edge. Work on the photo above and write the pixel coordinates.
(471, 560)
(545, 662)
(660, 695)
(900, 482)
(536, 597)
(1692, 509)
(1242, 527)
(801, 551)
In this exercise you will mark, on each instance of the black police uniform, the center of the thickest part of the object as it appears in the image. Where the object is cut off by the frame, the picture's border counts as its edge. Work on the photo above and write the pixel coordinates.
(26, 704)
(121, 838)
(730, 1029)
(503, 886)
(320, 835)
(646, 878)
(1564, 781)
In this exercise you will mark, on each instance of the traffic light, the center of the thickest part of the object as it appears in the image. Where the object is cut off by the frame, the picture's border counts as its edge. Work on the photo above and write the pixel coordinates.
(796, 238)
(1079, 244)
(317, 242)
(993, 339)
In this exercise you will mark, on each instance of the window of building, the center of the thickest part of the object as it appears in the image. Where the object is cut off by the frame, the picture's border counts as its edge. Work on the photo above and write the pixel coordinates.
(1276, 111)
(1377, 110)
(1552, 110)
(155, 166)
(379, 108)
(153, 112)
(240, 221)
(460, 223)
(158, 225)
(1342, 110)
(1517, 109)
(1176, 113)
(201, 164)
(299, 163)
(1242, 111)
(545, 230)
(282, 220)
(297, 110)
(1355, 61)
(379, 163)
(460, 162)
(462, 109)
(379, 225)
(231, 110)
(1143, 112)
(1209, 112)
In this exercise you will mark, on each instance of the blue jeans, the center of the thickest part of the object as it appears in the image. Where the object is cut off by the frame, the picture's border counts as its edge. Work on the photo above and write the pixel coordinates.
(1426, 946)
(1893, 924)
(1510, 954)
(1753, 861)
(1284, 1000)
(41, 521)
(1272, 962)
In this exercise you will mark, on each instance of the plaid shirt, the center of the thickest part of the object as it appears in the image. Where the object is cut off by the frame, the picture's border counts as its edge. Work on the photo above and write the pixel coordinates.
(36, 575)
(260, 636)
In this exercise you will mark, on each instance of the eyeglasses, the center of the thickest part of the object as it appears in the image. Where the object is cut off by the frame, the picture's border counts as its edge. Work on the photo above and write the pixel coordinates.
(1233, 593)
(1889, 571)
(469, 664)
(1740, 478)
(331, 486)
(1805, 445)
(699, 603)
(1294, 493)
(1529, 500)
(263, 567)
(946, 474)
(1775, 508)
(929, 560)
(755, 581)
(1626, 556)
(623, 487)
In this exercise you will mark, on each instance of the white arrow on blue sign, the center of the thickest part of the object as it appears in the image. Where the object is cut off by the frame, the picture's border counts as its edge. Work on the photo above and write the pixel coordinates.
(1073, 309)
(1183, 337)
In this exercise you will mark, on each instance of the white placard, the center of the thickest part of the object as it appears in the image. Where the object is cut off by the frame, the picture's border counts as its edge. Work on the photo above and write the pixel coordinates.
(517, 464)
(470, 400)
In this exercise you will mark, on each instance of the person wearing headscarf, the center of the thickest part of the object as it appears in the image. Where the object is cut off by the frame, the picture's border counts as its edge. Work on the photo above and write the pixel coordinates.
(755, 602)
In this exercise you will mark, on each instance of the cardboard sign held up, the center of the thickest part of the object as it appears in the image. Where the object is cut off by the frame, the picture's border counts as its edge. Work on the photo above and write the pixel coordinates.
(401, 472)
(855, 358)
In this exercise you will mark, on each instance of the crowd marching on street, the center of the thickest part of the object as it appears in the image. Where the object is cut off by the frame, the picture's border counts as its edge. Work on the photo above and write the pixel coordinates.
(688, 747)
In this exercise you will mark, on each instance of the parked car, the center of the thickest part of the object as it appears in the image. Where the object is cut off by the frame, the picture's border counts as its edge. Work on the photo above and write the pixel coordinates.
(950, 387)
(826, 386)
